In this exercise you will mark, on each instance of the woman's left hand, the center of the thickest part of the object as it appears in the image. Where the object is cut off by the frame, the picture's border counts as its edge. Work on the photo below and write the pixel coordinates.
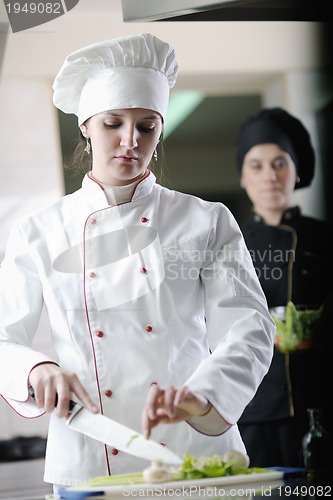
(170, 405)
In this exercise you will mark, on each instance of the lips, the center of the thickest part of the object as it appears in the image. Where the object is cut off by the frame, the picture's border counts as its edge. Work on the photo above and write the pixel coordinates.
(126, 158)
(271, 191)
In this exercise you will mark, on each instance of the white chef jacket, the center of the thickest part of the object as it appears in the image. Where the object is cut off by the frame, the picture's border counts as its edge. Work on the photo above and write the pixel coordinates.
(159, 289)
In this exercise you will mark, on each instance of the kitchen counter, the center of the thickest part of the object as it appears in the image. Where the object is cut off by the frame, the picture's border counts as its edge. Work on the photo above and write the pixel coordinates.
(23, 480)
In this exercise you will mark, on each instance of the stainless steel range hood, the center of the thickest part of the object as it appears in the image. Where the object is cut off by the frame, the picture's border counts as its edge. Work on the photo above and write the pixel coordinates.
(223, 10)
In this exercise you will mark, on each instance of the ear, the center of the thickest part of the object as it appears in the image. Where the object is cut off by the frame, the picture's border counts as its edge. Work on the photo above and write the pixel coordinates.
(84, 130)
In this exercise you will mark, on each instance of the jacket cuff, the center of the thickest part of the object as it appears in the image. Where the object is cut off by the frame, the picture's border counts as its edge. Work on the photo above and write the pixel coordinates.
(28, 409)
(211, 424)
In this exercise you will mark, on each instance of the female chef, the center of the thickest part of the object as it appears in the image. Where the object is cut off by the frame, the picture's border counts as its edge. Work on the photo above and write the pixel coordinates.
(275, 157)
(156, 311)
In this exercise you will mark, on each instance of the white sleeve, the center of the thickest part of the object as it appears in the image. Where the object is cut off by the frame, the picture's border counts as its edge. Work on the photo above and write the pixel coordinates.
(239, 326)
(21, 302)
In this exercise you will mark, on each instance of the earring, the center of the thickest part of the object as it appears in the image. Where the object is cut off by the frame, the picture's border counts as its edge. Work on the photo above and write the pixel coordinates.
(88, 147)
(298, 179)
(155, 155)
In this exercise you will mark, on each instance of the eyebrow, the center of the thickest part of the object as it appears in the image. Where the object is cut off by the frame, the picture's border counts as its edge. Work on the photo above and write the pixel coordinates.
(281, 156)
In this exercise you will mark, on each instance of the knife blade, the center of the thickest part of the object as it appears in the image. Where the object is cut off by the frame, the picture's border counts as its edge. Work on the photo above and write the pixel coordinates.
(112, 433)
(121, 437)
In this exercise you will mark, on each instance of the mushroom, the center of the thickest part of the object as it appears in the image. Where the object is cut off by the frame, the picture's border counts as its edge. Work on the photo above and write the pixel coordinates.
(236, 458)
(158, 472)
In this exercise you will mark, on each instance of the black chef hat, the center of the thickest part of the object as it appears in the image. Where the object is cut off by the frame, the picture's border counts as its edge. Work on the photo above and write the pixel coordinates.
(275, 125)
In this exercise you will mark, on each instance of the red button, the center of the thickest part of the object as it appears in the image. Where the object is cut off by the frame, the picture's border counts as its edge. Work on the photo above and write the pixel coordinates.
(144, 220)
(93, 221)
(143, 270)
(99, 333)
(92, 275)
(153, 383)
(108, 393)
(149, 328)
(115, 451)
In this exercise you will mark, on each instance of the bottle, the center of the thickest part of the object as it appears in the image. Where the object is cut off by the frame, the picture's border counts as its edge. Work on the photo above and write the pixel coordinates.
(317, 447)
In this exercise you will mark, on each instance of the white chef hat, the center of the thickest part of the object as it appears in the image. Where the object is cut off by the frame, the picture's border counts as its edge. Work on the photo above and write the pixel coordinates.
(135, 71)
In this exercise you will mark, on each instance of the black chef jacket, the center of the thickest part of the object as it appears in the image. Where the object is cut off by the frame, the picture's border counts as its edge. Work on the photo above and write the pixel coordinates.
(294, 262)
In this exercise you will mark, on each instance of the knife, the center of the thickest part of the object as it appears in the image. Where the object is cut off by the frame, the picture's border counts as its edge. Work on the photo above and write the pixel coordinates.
(112, 433)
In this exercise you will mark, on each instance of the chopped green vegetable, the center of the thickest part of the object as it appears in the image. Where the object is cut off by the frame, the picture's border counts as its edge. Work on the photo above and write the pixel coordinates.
(192, 468)
(117, 479)
(296, 328)
(131, 439)
(197, 468)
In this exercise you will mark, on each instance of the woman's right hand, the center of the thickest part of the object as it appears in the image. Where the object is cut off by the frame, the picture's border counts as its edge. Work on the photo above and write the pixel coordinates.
(53, 388)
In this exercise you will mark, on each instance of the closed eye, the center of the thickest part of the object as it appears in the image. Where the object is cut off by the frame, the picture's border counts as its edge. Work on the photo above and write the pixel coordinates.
(112, 125)
(146, 130)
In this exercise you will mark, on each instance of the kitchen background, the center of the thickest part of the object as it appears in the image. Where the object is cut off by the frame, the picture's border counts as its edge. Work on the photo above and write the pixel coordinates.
(229, 68)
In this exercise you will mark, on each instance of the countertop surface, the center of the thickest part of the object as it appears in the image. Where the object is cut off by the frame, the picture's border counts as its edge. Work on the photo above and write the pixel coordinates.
(23, 480)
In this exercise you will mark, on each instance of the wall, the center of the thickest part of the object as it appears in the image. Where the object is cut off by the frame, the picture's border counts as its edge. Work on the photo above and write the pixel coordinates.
(31, 173)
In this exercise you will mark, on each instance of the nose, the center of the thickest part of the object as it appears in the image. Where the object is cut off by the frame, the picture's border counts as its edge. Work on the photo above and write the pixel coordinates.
(270, 174)
(129, 138)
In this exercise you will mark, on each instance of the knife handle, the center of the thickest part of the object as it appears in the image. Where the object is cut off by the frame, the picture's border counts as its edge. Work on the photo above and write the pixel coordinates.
(72, 404)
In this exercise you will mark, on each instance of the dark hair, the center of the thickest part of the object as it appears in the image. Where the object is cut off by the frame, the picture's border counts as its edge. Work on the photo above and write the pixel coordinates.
(80, 162)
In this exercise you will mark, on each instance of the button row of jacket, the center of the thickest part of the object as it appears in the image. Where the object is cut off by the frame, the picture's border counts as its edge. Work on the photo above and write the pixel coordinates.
(108, 394)
(93, 221)
(143, 270)
(100, 334)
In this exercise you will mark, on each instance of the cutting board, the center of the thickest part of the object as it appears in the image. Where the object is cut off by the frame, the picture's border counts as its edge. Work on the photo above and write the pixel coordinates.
(246, 484)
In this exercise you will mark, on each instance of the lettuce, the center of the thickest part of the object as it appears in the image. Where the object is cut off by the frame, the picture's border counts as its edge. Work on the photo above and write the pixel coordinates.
(214, 466)
(296, 328)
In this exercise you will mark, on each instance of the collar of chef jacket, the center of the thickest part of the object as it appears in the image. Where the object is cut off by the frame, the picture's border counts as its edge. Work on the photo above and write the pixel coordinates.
(95, 196)
(288, 215)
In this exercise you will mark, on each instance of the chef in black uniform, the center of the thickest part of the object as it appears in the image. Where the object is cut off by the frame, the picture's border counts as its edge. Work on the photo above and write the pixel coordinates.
(293, 259)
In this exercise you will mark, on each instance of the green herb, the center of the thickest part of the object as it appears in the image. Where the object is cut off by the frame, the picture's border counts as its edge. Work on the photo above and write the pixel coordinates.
(131, 439)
